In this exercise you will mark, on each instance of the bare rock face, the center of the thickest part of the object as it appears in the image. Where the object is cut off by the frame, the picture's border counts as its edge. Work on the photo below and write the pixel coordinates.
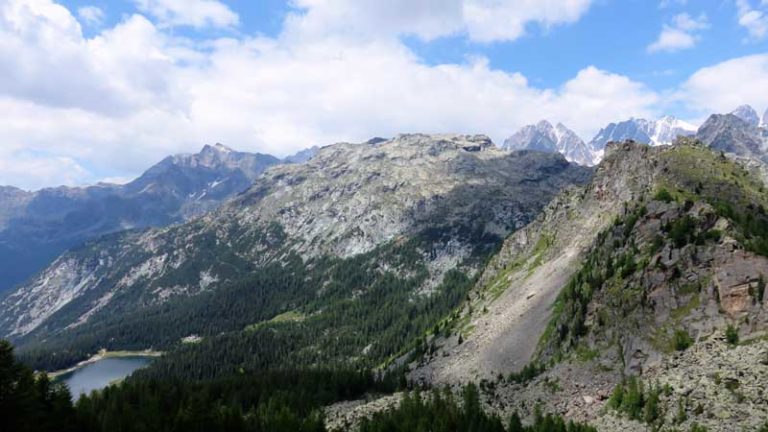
(350, 198)
(737, 277)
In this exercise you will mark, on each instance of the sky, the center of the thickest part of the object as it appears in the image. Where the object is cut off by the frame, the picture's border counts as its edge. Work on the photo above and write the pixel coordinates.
(100, 90)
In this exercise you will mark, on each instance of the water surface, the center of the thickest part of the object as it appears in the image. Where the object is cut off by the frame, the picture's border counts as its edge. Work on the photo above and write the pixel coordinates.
(97, 375)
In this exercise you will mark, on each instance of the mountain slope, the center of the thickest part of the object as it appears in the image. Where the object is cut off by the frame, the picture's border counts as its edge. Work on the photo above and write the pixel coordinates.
(544, 137)
(647, 272)
(410, 222)
(35, 227)
(523, 280)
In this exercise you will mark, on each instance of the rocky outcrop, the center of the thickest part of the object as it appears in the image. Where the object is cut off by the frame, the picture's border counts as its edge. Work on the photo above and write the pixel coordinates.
(738, 276)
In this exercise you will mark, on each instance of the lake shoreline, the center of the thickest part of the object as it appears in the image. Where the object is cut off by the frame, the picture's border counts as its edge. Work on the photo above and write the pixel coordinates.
(103, 354)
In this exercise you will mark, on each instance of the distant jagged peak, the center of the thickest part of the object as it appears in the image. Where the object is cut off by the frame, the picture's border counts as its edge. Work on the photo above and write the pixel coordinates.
(542, 136)
(748, 114)
(733, 134)
(217, 148)
(653, 132)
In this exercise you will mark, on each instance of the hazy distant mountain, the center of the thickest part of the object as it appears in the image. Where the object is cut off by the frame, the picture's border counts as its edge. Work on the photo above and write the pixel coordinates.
(748, 114)
(660, 132)
(302, 156)
(547, 138)
(35, 227)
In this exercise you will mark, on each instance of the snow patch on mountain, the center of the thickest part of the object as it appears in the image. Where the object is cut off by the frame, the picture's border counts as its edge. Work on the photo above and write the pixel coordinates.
(660, 132)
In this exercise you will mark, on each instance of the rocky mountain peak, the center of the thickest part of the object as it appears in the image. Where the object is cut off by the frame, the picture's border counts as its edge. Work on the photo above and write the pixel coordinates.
(764, 123)
(748, 114)
(558, 139)
(732, 134)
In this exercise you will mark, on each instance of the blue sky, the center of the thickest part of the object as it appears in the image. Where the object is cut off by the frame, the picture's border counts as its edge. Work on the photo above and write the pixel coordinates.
(83, 80)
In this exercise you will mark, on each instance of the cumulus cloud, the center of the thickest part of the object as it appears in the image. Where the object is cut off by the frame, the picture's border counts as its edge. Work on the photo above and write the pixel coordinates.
(682, 33)
(489, 20)
(480, 20)
(753, 19)
(194, 13)
(724, 86)
(45, 58)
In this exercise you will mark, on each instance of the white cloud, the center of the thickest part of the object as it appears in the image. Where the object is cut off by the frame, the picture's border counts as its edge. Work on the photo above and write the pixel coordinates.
(91, 15)
(194, 13)
(489, 20)
(44, 58)
(724, 86)
(480, 20)
(133, 94)
(664, 4)
(754, 19)
(682, 33)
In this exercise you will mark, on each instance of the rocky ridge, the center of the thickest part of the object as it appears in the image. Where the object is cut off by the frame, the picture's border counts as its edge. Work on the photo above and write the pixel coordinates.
(35, 227)
(510, 307)
(697, 267)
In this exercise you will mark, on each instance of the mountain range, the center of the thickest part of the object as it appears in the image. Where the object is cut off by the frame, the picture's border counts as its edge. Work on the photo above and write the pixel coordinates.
(630, 295)
(35, 227)
(752, 135)
(412, 221)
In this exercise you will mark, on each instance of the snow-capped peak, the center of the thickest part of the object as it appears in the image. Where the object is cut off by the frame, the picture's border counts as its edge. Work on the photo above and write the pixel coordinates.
(666, 129)
(660, 132)
(544, 137)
